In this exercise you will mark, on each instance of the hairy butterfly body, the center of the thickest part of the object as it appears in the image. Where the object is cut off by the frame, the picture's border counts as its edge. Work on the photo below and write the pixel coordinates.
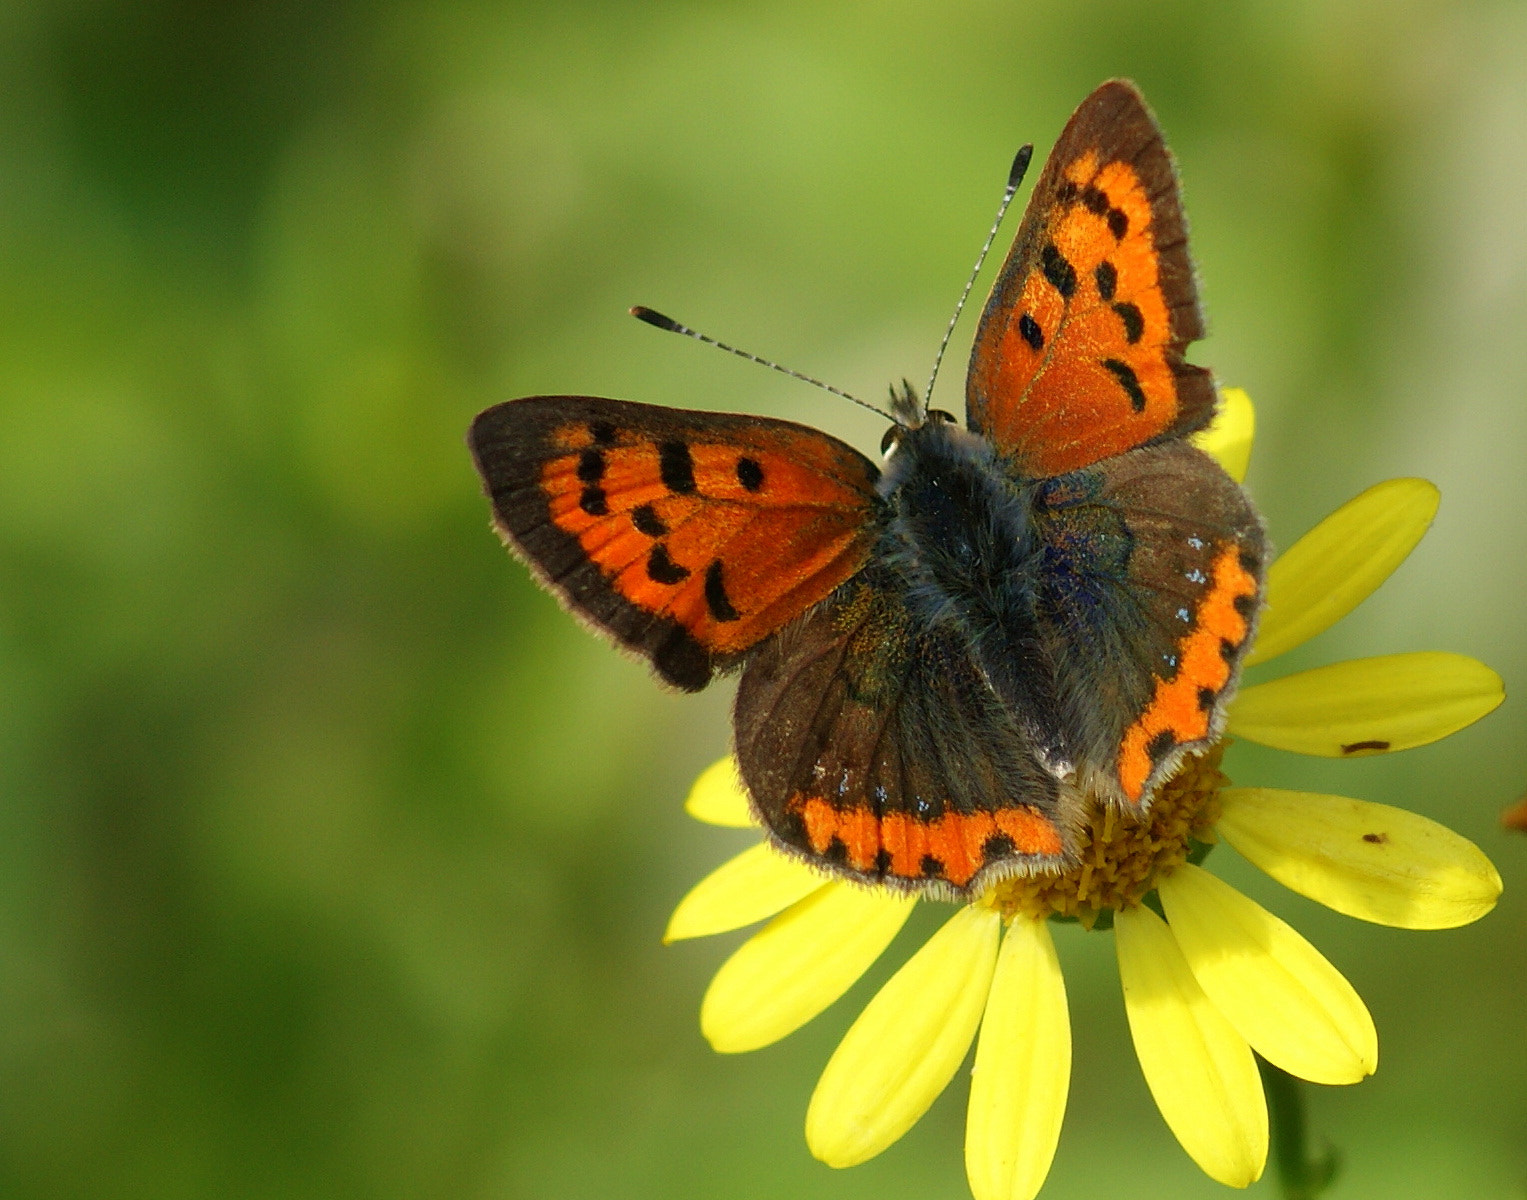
(946, 662)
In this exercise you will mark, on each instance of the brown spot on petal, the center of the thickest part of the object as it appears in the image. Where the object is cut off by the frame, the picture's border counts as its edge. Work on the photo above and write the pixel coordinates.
(1372, 747)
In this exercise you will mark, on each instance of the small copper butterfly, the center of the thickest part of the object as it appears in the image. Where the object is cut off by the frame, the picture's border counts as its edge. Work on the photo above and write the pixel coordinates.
(945, 660)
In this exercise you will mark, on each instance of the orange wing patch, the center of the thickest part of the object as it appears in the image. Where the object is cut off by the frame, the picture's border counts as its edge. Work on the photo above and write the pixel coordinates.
(1179, 711)
(1079, 354)
(952, 848)
(728, 540)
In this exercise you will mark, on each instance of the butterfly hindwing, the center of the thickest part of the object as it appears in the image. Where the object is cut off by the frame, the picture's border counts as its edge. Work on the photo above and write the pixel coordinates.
(871, 743)
(1079, 352)
(686, 536)
(1153, 569)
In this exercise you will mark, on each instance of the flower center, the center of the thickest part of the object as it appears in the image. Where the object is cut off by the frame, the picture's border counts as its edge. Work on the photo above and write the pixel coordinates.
(1122, 854)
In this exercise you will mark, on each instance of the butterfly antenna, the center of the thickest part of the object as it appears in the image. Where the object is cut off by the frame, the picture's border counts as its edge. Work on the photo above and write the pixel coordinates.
(1014, 179)
(643, 313)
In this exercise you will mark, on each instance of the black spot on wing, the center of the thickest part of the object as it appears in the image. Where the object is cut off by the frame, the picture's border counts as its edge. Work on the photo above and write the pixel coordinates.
(716, 599)
(1095, 200)
(791, 827)
(932, 868)
(1160, 745)
(1060, 273)
(681, 660)
(750, 474)
(662, 569)
(1134, 323)
(648, 522)
(593, 501)
(677, 467)
(590, 466)
(1129, 381)
(1206, 698)
(1107, 279)
(1032, 334)
(603, 433)
(999, 845)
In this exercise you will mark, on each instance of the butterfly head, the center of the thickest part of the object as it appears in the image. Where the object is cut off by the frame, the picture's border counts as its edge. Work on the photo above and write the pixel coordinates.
(909, 414)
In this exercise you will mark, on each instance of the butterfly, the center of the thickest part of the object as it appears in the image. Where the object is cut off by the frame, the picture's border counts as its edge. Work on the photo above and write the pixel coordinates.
(948, 660)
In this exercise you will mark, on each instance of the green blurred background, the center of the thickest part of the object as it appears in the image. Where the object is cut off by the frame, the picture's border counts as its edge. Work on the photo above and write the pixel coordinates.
(333, 857)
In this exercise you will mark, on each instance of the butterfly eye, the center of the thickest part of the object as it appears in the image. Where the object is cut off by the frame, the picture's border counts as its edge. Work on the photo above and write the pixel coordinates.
(938, 414)
(892, 437)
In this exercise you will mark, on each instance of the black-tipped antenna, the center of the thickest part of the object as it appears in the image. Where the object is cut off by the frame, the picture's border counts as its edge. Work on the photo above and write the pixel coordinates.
(1014, 178)
(642, 313)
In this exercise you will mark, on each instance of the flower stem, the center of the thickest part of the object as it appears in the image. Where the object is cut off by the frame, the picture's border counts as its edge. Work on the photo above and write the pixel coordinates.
(1301, 1176)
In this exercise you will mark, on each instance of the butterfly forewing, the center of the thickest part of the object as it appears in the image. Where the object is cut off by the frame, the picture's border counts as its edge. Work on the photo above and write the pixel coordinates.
(686, 536)
(1079, 352)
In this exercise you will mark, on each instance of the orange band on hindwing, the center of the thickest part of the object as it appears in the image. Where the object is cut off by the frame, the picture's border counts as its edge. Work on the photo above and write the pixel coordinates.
(952, 848)
(1179, 711)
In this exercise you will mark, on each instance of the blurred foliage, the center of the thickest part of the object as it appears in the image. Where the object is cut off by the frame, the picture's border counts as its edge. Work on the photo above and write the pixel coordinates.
(333, 858)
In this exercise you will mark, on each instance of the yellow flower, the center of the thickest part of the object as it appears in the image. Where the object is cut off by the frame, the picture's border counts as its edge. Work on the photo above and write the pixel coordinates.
(1219, 978)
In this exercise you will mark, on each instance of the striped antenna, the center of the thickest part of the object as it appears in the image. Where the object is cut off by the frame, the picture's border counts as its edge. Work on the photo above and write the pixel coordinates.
(652, 317)
(1014, 178)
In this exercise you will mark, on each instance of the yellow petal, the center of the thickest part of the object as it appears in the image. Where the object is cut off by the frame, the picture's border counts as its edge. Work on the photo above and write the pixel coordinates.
(907, 1043)
(1279, 992)
(1368, 861)
(1228, 438)
(718, 798)
(1199, 1069)
(756, 884)
(1367, 705)
(1022, 1072)
(1335, 566)
(798, 964)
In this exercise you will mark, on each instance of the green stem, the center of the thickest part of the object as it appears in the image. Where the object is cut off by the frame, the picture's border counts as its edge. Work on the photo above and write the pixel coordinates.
(1301, 1176)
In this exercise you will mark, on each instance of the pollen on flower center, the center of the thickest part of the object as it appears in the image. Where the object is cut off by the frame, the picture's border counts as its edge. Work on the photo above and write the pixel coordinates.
(1121, 855)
